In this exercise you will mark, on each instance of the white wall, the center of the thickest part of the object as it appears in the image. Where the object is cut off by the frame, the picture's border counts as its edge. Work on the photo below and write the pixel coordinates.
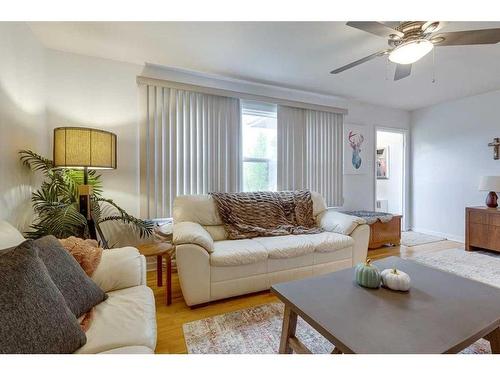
(391, 189)
(100, 93)
(359, 190)
(22, 118)
(450, 154)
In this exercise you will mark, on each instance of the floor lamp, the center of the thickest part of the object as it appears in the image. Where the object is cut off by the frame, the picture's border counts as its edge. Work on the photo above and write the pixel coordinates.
(85, 148)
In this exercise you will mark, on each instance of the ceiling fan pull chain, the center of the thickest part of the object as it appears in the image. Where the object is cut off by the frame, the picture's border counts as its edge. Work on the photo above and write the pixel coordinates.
(386, 68)
(433, 65)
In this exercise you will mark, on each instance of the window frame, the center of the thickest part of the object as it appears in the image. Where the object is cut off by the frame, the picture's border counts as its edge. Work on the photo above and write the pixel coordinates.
(261, 109)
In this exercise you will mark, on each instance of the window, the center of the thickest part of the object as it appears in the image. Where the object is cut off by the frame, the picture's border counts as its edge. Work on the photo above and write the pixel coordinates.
(259, 135)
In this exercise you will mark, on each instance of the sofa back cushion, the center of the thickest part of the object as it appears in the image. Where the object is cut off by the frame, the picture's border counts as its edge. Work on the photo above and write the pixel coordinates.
(319, 204)
(9, 236)
(202, 209)
(33, 314)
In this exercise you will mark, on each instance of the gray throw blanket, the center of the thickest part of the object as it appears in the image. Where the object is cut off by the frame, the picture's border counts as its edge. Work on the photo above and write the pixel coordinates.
(263, 214)
(370, 216)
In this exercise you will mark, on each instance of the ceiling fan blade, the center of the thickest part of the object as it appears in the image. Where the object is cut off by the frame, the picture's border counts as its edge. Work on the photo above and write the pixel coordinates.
(469, 37)
(391, 24)
(375, 28)
(402, 71)
(360, 61)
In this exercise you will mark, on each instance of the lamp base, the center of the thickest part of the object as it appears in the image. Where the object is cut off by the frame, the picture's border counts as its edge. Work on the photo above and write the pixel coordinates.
(85, 192)
(491, 200)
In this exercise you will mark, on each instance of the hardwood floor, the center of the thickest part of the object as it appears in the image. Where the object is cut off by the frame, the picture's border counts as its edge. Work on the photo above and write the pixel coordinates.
(171, 318)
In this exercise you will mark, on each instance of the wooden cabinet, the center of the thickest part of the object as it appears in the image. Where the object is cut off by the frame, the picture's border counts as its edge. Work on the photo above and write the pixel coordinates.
(385, 233)
(482, 228)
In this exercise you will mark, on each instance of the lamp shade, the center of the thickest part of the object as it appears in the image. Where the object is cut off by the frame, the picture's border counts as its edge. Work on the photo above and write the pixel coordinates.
(84, 147)
(490, 183)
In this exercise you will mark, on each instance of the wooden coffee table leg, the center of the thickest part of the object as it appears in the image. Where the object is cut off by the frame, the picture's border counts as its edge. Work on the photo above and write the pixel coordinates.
(169, 280)
(494, 339)
(159, 270)
(288, 330)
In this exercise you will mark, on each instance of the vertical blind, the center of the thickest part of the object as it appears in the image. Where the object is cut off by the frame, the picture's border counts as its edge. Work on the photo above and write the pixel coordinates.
(190, 144)
(310, 152)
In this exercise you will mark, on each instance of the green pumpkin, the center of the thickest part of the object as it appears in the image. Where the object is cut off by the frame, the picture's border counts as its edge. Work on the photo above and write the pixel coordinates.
(367, 275)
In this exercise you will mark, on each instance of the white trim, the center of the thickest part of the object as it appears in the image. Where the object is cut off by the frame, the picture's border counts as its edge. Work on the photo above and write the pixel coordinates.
(448, 236)
(406, 171)
(249, 86)
(142, 80)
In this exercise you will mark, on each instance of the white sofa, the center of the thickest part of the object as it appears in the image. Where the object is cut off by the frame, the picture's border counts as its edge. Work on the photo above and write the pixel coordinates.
(211, 267)
(125, 323)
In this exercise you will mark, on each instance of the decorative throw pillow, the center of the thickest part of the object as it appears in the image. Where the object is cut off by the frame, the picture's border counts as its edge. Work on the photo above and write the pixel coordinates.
(87, 253)
(79, 291)
(33, 313)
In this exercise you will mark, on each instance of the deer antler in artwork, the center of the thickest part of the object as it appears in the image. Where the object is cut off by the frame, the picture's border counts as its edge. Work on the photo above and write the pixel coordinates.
(355, 140)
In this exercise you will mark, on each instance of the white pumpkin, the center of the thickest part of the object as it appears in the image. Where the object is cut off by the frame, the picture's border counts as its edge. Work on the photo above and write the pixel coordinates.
(395, 279)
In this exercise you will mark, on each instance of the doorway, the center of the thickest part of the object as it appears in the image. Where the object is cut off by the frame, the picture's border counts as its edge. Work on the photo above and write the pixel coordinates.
(390, 172)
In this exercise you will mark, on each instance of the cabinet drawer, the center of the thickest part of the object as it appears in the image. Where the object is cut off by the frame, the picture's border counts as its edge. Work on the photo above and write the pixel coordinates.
(494, 219)
(478, 217)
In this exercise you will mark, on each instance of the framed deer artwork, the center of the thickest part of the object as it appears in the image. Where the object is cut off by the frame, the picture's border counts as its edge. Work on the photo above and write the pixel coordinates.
(355, 145)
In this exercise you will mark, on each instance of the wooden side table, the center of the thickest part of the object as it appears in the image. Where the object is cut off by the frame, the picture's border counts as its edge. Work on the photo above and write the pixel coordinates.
(161, 250)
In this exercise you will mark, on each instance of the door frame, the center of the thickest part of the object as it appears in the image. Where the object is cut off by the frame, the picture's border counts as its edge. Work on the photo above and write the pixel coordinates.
(405, 222)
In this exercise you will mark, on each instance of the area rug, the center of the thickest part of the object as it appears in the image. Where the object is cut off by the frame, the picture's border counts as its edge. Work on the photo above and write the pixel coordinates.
(476, 265)
(411, 238)
(257, 330)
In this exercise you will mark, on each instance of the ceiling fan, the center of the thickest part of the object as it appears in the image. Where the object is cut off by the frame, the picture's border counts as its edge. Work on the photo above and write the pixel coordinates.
(409, 41)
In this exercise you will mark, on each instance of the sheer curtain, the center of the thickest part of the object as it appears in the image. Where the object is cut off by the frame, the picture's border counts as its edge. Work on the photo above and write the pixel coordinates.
(310, 152)
(190, 144)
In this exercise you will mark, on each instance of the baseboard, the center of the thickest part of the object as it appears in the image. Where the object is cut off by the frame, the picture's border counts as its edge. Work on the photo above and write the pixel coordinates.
(448, 236)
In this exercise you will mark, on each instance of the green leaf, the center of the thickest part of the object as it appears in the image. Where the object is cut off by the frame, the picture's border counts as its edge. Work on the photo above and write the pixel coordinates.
(56, 202)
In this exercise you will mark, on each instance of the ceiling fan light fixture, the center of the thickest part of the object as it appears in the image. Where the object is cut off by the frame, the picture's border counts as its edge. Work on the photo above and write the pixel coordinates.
(410, 52)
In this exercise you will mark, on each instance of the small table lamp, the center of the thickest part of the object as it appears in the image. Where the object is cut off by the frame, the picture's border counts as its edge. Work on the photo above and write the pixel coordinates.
(84, 148)
(491, 184)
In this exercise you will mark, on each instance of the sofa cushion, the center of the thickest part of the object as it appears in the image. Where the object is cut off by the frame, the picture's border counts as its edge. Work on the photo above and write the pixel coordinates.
(126, 318)
(237, 252)
(319, 204)
(217, 232)
(79, 291)
(120, 268)
(286, 246)
(338, 222)
(130, 350)
(9, 236)
(199, 209)
(33, 313)
(328, 241)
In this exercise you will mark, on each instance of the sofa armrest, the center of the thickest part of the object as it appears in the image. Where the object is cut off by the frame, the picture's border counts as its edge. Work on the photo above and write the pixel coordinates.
(338, 222)
(187, 232)
(120, 268)
(361, 237)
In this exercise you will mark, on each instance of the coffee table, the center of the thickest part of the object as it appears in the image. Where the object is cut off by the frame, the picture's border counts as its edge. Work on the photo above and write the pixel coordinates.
(442, 312)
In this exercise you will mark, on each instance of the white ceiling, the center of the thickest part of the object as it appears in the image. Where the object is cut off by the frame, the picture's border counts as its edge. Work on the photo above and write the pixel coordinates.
(292, 54)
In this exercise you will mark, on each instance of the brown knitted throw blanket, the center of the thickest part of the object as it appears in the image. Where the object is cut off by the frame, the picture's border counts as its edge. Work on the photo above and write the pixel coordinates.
(263, 214)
